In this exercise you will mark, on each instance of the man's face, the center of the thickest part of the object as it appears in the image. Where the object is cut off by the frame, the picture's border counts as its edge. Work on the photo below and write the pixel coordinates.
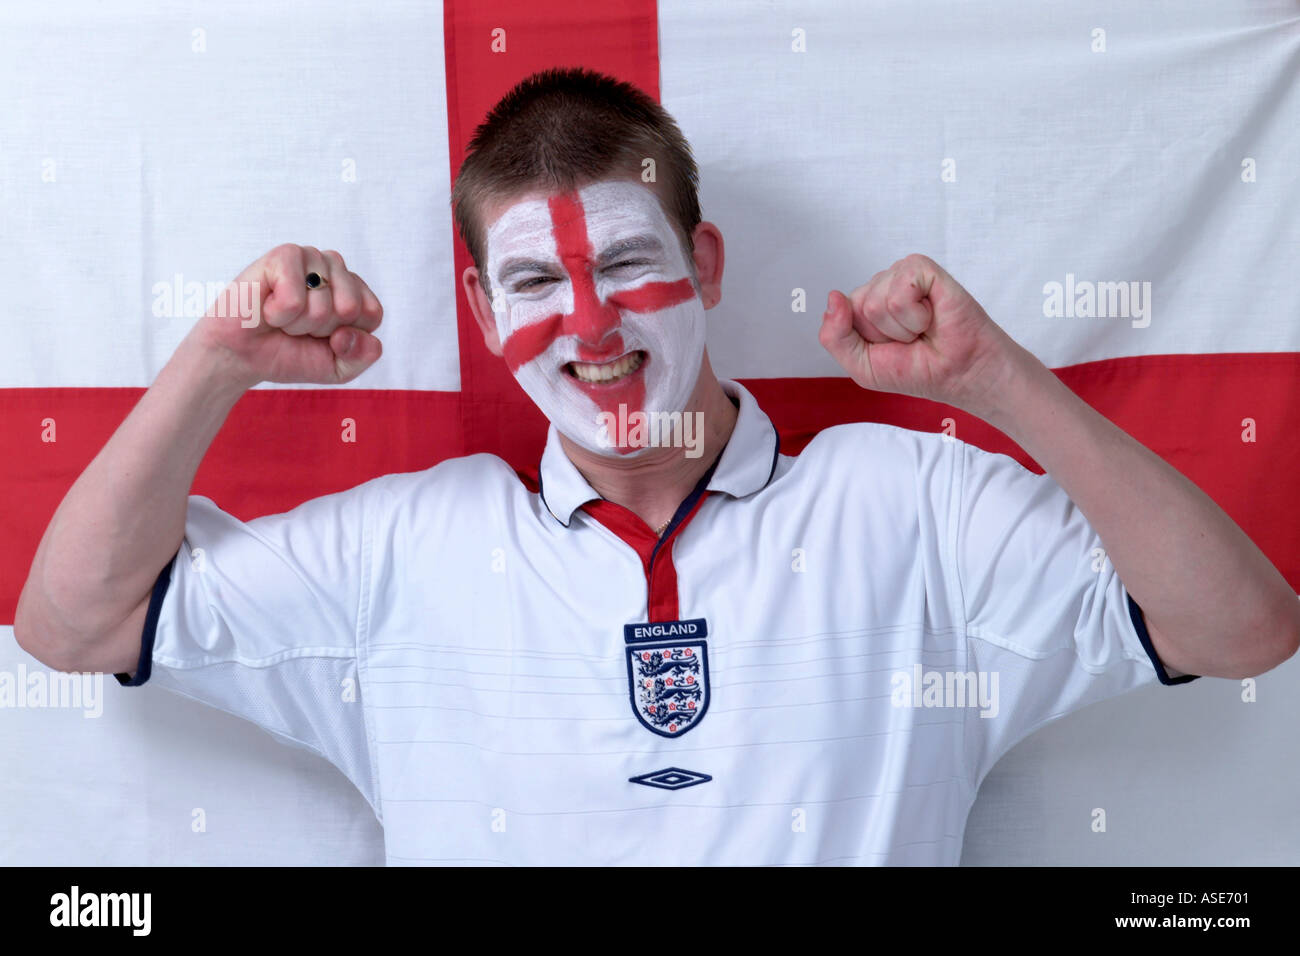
(595, 307)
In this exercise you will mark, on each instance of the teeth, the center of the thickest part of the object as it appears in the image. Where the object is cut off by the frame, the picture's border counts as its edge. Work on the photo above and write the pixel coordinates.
(609, 371)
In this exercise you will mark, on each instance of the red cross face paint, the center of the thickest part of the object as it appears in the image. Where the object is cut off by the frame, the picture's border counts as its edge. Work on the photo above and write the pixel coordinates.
(596, 309)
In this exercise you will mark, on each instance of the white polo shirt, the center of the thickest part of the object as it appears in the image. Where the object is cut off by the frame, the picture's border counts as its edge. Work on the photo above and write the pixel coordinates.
(818, 665)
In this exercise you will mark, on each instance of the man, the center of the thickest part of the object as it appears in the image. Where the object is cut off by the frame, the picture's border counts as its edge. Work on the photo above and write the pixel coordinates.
(684, 647)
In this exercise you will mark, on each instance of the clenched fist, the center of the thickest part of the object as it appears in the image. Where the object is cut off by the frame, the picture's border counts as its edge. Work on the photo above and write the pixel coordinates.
(268, 326)
(913, 329)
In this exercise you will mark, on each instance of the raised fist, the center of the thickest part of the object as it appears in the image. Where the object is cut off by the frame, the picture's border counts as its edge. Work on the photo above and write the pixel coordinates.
(269, 326)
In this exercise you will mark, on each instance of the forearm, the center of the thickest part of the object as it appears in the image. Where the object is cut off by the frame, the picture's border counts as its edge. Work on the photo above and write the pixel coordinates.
(1219, 605)
(124, 517)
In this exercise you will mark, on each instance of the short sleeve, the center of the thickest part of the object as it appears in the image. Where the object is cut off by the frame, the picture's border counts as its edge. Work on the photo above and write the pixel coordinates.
(262, 618)
(1046, 617)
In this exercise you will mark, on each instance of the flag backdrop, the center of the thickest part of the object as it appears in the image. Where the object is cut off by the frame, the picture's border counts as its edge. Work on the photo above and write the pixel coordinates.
(1148, 155)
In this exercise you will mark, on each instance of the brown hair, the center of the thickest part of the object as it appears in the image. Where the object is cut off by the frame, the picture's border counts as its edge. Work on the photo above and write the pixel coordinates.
(562, 128)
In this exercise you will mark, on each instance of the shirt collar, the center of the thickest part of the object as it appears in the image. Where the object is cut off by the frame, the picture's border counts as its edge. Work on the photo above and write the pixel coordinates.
(747, 462)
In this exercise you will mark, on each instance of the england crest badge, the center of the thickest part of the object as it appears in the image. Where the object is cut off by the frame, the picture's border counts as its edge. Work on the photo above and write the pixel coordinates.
(668, 674)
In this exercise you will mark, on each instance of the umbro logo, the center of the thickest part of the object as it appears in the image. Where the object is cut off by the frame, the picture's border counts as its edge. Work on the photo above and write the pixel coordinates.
(671, 778)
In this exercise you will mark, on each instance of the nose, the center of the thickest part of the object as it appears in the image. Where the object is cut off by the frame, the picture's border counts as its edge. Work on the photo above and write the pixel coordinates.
(591, 320)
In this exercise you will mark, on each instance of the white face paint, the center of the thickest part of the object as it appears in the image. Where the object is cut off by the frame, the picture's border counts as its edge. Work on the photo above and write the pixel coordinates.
(563, 293)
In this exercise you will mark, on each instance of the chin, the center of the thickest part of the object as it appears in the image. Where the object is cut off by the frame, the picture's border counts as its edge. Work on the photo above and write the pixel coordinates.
(592, 443)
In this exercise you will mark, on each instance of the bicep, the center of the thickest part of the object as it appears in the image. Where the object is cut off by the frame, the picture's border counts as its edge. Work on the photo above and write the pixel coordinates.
(1164, 649)
(120, 649)
(114, 649)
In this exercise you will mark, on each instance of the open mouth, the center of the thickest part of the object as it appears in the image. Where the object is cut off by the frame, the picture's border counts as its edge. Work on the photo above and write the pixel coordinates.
(607, 372)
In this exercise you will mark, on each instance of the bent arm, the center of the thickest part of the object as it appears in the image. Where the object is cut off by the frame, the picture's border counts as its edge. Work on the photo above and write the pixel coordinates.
(84, 602)
(1214, 604)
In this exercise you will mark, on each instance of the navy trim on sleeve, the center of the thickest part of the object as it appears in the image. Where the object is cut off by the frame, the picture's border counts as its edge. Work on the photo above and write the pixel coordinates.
(145, 665)
(1140, 625)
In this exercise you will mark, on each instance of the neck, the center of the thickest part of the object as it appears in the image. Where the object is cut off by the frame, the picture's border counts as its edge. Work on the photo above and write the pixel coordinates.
(653, 484)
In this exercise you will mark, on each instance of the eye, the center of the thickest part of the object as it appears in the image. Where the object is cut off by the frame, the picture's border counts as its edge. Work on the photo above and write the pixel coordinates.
(625, 264)
(529, 283)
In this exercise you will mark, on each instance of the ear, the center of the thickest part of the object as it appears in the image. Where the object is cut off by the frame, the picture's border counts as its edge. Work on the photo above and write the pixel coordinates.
(481, 306)
(709, 259)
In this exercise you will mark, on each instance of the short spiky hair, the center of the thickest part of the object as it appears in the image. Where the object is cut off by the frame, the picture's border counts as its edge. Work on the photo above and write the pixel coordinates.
(563, 128)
